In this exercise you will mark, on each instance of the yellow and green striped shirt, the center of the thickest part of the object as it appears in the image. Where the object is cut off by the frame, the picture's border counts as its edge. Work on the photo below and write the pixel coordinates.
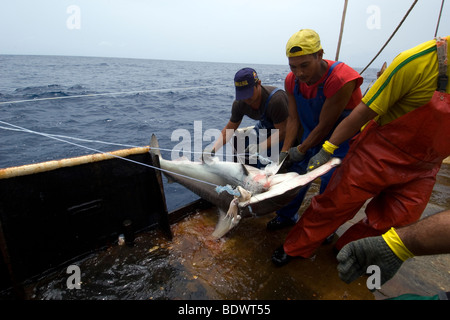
(408, 83)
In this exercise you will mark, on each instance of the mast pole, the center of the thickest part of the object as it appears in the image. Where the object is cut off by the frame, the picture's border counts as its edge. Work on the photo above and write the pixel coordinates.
(342, 30)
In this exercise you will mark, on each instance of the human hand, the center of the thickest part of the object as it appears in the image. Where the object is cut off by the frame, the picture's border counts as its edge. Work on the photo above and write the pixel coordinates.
(356, 256)
(282, 156)
(207, 153)
(318, 159)
(296, 155)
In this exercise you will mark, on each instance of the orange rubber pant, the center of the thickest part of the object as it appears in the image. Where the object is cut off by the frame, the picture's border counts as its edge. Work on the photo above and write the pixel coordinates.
(398, 189)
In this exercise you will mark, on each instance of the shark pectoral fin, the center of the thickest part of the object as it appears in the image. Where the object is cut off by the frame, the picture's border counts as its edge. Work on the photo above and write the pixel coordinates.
(244, 194)
(233, 208)
(235, 221)
(222, 226)
(229, 221)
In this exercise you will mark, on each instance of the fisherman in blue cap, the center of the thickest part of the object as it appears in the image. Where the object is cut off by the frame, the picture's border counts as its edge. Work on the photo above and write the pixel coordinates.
(266, 104)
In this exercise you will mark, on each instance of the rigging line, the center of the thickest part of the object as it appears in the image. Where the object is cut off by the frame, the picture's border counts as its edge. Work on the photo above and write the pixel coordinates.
(111, 143)
(392, 35)
(110, 154)
(107, 94)
(439, 19)
(73, 138)
(49, 135)
(93, 141)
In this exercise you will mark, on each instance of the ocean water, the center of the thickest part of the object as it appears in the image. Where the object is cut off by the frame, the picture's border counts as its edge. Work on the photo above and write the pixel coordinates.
(112, 100)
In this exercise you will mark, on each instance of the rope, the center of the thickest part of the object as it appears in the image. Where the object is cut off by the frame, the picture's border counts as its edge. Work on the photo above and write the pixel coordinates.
(62, 138)
(107, 94)
(73, 138)
(439, 19)
(18, 128)
(395, 31)
(49, 135)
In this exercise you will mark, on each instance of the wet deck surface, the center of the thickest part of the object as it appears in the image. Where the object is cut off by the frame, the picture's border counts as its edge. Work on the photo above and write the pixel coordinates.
(195, 266)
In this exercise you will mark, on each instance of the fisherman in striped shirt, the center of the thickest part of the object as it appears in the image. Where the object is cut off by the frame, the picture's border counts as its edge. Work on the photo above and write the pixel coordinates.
(393, 161)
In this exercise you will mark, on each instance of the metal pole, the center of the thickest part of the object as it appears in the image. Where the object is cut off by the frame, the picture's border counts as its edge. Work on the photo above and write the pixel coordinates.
(342, 30)
(439, 19)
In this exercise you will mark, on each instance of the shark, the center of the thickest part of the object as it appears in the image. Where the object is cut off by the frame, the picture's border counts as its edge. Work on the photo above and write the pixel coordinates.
(240, 190)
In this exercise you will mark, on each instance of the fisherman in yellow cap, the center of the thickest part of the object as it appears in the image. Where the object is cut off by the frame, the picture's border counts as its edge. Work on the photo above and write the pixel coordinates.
(320, 94)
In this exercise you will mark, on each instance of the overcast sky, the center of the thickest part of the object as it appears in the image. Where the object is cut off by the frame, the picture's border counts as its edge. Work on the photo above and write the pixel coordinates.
(242, 31)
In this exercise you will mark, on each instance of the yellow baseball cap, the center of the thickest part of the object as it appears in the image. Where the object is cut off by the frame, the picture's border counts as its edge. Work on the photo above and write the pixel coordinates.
(303, 42)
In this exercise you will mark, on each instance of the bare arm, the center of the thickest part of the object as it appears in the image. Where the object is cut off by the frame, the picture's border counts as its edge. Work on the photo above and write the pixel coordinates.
(278, 136)
(292, 123)
(428, 236)
(352, 124)
(227, 133)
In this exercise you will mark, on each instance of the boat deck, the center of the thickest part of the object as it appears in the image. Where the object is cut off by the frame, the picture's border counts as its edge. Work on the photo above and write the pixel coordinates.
(194, 266)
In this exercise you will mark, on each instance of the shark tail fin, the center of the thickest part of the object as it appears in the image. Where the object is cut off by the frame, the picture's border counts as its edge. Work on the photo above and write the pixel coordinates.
(154, 146)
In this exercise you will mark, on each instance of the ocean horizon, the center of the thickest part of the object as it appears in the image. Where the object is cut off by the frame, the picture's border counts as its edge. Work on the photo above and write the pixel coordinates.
(121, 101)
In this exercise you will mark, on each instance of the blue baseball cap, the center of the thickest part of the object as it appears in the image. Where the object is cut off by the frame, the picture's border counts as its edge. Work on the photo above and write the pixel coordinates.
(244, 81)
